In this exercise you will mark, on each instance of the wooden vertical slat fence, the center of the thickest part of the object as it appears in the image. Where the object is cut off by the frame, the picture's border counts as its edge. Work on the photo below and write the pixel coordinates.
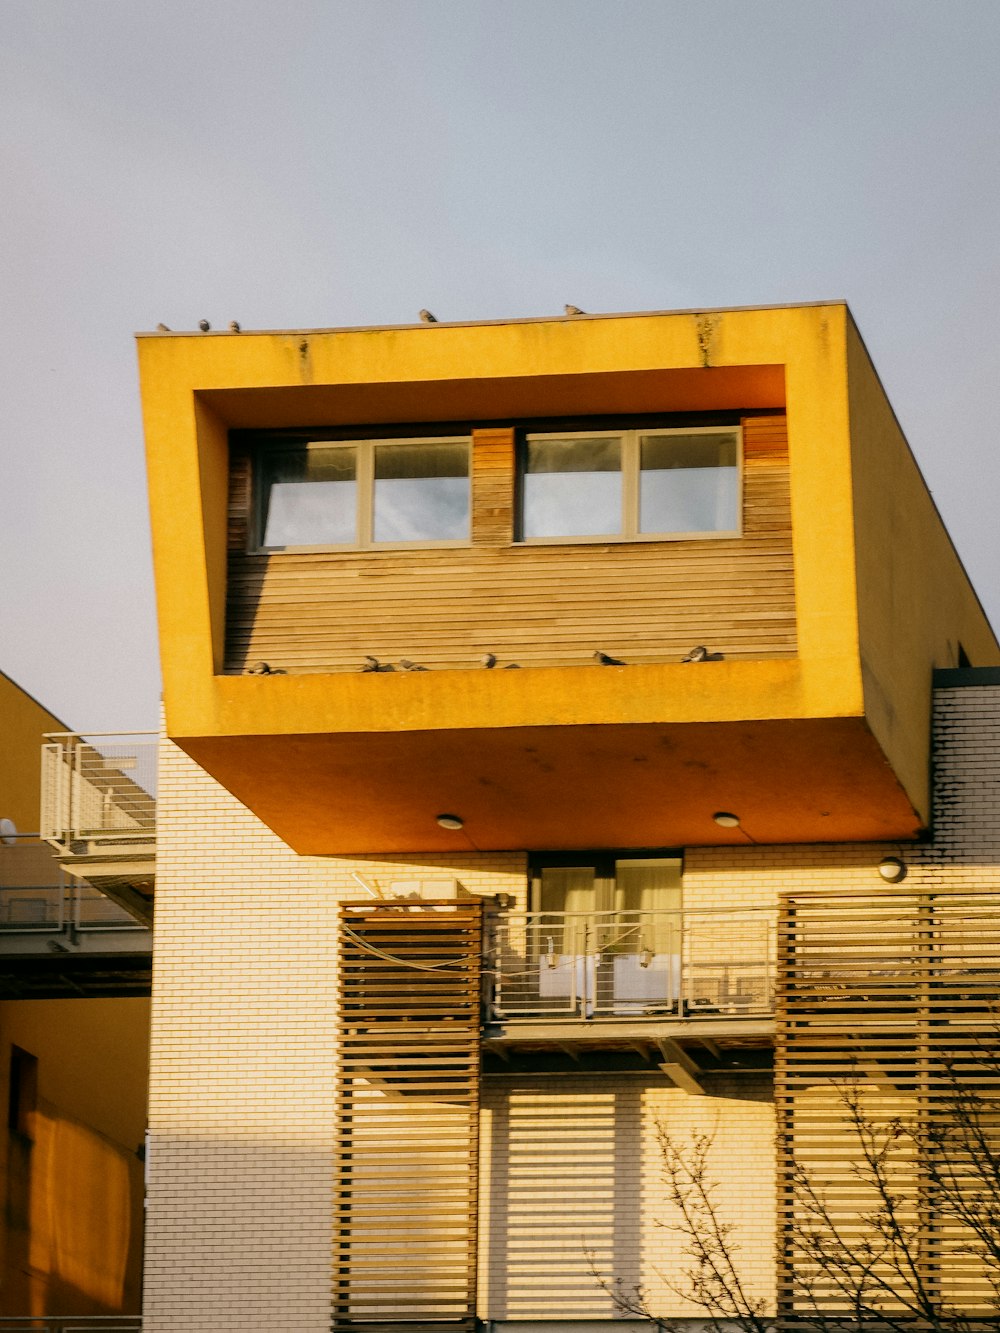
(888, 999)
(408, 1117)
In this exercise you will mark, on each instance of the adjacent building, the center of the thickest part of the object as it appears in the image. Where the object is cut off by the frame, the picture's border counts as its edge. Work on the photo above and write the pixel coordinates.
(74, 1032)
(548, 761)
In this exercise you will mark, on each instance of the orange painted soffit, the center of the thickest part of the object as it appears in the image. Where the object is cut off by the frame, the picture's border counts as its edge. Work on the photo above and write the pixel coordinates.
(647, 785)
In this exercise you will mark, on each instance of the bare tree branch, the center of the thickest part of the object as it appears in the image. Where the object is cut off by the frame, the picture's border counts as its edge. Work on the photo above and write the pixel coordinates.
(851, 1271)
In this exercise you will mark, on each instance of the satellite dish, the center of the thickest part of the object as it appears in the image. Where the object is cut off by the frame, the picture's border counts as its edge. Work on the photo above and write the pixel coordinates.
(8, 832)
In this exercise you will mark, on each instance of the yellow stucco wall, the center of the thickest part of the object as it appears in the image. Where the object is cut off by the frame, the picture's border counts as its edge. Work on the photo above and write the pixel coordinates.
(880, 597)
(22, 723)
(194, 387)
(72, 1243)
(915, 603)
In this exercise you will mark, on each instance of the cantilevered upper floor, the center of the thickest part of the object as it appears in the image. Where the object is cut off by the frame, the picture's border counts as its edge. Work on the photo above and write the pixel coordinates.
(470, 498)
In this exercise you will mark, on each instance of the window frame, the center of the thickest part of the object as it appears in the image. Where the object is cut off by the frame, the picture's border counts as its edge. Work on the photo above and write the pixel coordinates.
(364, 518)
(602, 863)
(631, 473)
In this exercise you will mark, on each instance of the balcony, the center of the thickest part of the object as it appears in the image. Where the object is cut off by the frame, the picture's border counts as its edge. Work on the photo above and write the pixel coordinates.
(60, 936)
(631, 979)
(99, 812)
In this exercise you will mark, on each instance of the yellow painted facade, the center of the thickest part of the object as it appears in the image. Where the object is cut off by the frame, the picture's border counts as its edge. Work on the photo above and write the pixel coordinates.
(23, 721)
(72, 1243)
(846, 718)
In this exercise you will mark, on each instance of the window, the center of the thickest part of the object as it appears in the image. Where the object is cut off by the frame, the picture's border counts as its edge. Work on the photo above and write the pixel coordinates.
(606, 930)
(606, 883)
(629, 897)
(363, 493)
(631, 484)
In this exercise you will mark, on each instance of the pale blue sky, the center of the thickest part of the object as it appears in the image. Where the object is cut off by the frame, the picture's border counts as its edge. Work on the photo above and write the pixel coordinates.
(316, 164)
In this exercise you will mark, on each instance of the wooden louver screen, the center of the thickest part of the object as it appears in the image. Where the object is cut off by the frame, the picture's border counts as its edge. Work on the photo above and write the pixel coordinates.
(888, 1000)
(408, 1117)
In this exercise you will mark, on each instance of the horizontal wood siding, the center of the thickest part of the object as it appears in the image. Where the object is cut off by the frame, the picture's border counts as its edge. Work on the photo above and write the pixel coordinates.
(888, 1002)
(407, 1117)
(492, 487)
(536, 605)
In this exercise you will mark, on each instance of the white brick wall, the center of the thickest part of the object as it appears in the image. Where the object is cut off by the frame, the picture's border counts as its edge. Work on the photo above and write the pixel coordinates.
(244, 1058)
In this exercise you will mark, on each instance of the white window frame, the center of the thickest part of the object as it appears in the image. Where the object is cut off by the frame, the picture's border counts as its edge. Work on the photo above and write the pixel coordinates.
(365, 482)
(630, 473)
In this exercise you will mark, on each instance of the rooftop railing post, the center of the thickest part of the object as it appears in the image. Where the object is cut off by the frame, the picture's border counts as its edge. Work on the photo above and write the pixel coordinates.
(74, 788)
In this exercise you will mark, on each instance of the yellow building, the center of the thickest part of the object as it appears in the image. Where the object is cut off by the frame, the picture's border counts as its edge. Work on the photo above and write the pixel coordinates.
(525, 684)
(74, 1031)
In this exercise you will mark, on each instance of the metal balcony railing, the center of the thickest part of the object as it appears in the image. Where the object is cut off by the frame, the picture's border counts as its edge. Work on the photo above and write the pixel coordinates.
(37, 897)
(99, 792)
(641, 964)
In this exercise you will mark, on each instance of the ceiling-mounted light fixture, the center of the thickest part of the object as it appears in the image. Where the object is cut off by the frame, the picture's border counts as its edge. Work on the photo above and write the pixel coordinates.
(451, 821)
(726, 819)
(892, 869)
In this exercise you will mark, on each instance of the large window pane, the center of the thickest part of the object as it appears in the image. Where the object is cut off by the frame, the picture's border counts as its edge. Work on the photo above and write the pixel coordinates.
(310, 497)
(566, 889)
(688, 483)
(421, 492)
(572, 488)
(652, 887)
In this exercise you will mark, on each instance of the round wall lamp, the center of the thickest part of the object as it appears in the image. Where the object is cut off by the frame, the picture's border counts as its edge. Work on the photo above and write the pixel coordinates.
(451, 821)
(892, 869)
(725, 819)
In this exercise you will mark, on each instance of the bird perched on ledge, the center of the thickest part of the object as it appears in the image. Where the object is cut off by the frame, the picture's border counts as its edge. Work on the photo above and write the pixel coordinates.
(204, 325)
(605, 659)
(427, 318)
(373, 664)
(701, 654)
(574, 310)
(407, 665)
(263, 669)
(488, 660)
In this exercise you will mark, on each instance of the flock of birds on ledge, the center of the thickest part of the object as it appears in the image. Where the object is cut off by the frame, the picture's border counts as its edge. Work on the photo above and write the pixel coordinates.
(425, 318)
(488, 660)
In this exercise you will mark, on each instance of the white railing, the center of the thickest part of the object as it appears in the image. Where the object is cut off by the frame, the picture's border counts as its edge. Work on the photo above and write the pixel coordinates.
(617, 964)
(99, 789)
(36, 896)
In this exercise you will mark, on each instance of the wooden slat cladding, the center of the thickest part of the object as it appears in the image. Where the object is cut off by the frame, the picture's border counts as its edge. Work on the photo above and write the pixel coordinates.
(539, 605)
(492, 487)
(408, 1117)
(889, 1001)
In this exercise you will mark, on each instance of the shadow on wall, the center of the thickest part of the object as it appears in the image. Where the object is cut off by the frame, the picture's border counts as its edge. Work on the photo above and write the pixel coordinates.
(73, 1220)
(573, 1171)
(564, 1180)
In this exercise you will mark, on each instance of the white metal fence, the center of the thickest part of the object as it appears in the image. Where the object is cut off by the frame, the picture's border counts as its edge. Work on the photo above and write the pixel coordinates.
(36, 896)
(99, 788)
(577, 964)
